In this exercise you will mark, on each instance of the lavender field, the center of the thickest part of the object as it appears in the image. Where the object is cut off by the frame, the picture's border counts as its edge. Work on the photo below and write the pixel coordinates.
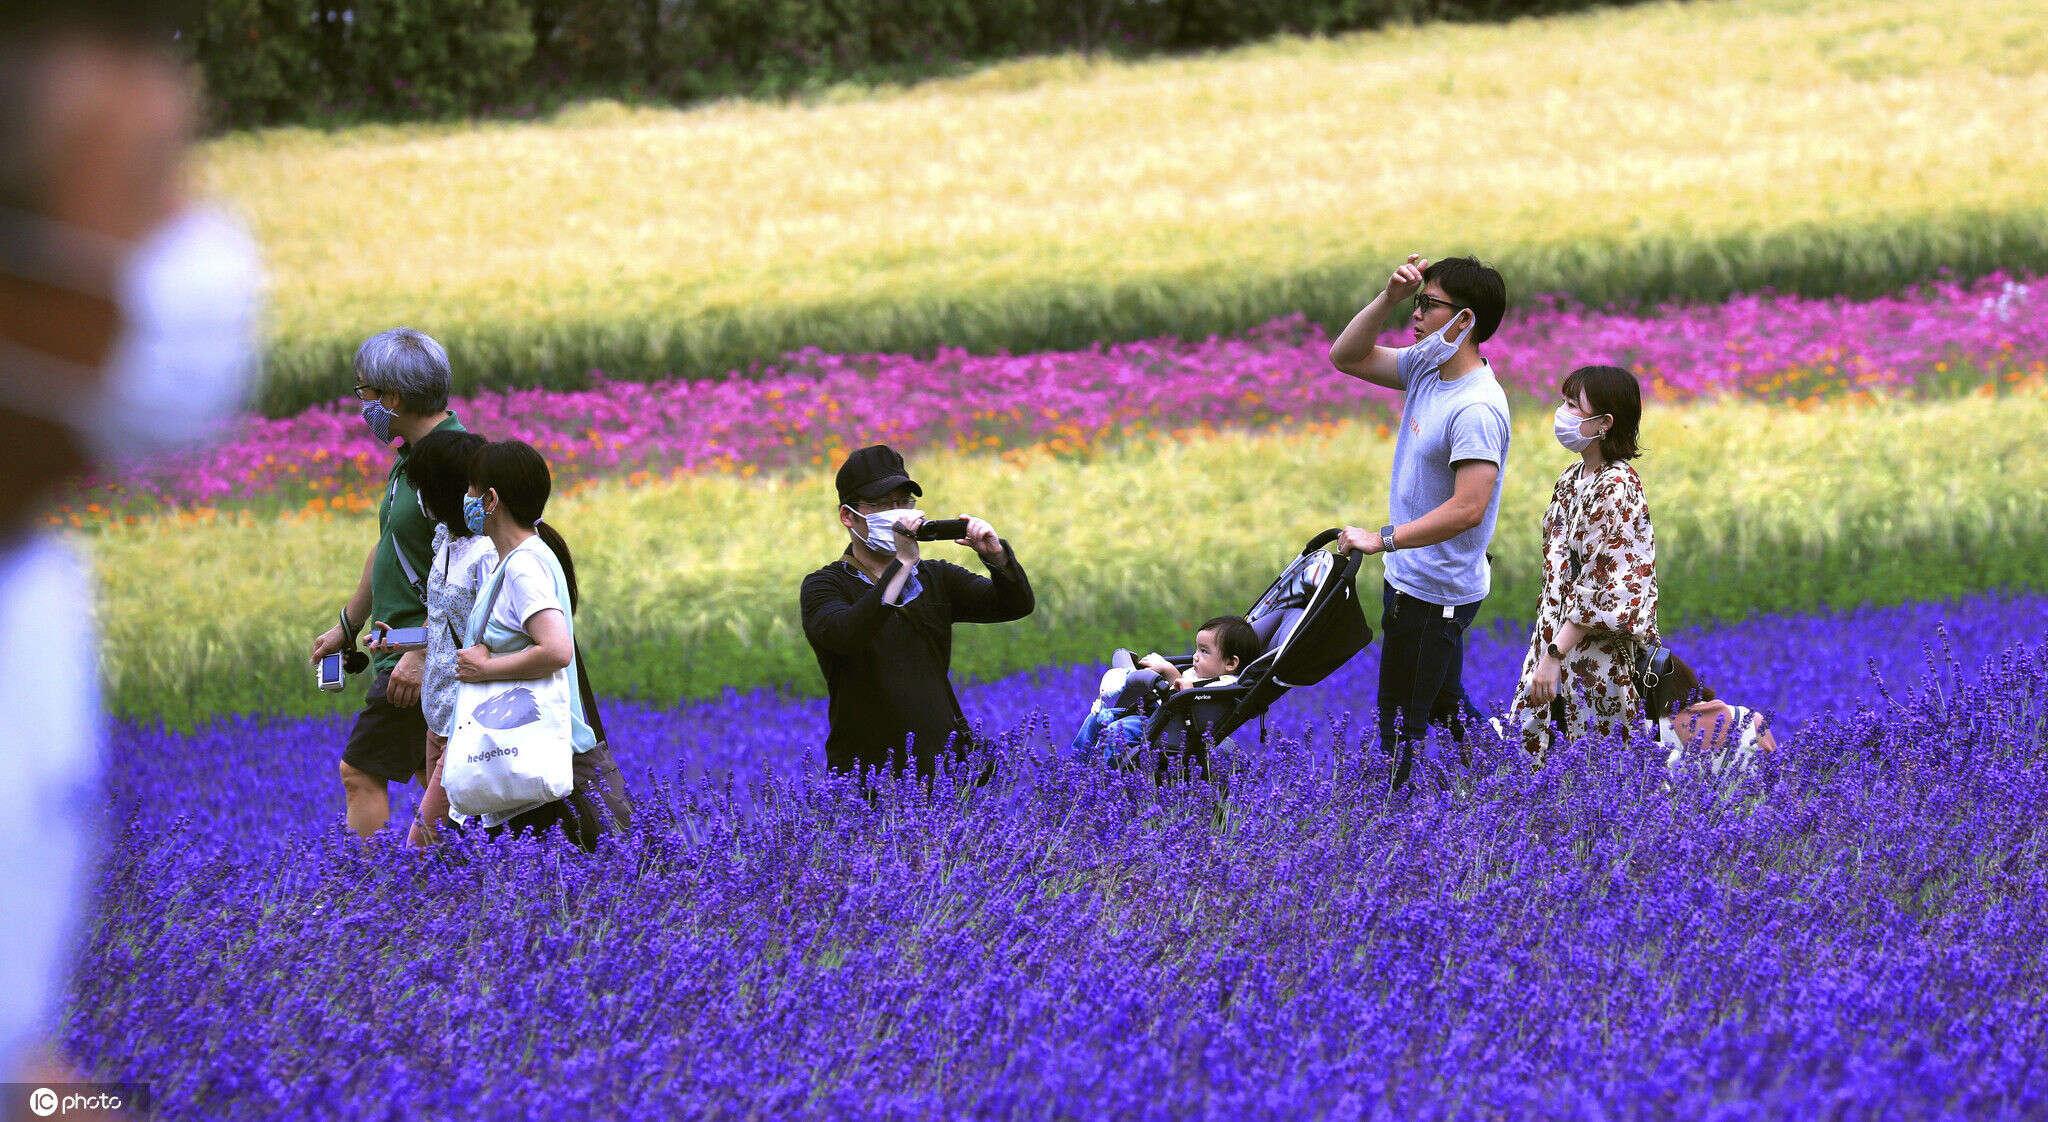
(1853, 931)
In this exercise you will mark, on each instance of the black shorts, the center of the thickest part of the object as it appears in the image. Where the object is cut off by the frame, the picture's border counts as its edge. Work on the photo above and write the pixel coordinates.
(388, 742)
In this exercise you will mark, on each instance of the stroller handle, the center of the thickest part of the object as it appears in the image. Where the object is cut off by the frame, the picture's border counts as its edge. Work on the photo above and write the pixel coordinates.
(1322, 539)
(1353, 559)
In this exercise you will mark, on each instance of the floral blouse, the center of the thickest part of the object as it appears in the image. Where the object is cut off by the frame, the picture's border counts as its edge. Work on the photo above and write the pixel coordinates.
(1600, 572)
(459, 566)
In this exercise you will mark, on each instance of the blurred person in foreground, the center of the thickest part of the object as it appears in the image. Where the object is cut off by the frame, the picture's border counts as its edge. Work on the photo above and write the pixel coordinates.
(880, 620)
(1444, 496)
(401, 381)
(128, 323)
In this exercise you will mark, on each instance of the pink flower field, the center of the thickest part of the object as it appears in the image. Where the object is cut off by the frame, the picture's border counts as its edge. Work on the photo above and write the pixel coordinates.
(1941, 338)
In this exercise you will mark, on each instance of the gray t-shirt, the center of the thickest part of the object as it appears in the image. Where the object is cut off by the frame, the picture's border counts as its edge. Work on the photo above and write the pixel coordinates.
(1443, 423)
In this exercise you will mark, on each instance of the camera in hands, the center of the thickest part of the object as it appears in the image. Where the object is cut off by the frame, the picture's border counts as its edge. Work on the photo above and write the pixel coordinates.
(332, 672)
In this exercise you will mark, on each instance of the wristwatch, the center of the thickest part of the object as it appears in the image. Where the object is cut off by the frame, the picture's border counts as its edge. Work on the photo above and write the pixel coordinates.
(1387, 539)
(1551, 650)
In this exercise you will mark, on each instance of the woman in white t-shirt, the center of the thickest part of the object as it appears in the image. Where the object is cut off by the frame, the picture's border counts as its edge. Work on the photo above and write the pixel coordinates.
(530, 631)
(438, 469)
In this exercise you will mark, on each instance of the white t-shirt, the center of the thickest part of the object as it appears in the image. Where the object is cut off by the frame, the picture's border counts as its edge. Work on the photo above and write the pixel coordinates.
(529, 590)
(1445, 423)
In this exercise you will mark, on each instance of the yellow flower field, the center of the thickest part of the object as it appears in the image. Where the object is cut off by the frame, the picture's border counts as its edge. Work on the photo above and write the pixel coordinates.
(1689, 147)
(692, 583)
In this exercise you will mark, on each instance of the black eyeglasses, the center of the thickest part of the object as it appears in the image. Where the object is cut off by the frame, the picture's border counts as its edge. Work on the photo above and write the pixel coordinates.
(1425, 304)
(367, 392)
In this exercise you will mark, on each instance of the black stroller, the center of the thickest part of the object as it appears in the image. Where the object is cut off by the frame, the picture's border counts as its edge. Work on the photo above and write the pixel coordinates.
(1311, 623)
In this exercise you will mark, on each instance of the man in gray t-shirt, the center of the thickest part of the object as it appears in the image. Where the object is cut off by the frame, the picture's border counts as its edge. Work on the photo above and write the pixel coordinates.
(1449, 461)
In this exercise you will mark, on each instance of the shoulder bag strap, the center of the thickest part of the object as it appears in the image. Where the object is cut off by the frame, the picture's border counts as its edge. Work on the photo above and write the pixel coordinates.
(491, 602)
(412, 575)
(590, 716)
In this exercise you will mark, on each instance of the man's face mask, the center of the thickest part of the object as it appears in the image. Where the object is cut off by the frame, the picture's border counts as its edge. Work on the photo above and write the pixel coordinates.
(185, 355)
(1435, 349)
(378, 419)
(881, 535)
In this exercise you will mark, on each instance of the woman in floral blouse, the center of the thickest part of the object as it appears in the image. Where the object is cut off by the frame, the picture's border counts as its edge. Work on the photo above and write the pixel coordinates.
(1599, 570)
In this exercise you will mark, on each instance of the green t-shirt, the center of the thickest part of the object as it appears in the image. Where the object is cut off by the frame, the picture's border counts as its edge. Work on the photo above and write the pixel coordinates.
(401, 525)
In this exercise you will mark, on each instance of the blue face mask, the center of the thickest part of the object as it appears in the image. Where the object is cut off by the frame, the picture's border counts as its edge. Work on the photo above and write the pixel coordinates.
(379, 420)
(473, 513)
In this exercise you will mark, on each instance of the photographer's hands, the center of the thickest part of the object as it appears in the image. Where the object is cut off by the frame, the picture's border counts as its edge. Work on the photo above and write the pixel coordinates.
(904, 530)
(983, 539)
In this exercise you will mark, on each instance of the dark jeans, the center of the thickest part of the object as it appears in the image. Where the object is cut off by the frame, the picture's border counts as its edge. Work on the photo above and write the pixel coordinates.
(1422, 664)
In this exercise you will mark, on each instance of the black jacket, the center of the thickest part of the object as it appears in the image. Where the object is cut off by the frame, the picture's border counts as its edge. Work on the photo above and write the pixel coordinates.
(885, 666)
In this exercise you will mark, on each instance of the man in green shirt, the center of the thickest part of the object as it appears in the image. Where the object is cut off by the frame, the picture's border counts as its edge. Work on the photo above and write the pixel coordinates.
(402, 381)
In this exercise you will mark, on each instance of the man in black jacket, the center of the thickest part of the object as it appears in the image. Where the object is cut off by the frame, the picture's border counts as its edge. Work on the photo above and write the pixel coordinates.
(880, 620)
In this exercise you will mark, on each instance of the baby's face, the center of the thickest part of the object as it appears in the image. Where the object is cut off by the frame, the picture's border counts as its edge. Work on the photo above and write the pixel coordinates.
(1209, 660)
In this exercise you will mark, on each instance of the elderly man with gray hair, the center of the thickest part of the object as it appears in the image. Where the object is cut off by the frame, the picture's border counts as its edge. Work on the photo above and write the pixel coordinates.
(402, 380)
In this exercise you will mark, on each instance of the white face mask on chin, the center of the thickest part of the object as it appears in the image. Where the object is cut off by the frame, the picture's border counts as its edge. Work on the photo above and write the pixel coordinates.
(1436, 350)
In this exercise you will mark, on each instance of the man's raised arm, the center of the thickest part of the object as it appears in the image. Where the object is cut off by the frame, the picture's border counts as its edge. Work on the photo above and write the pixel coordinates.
(1357, 351)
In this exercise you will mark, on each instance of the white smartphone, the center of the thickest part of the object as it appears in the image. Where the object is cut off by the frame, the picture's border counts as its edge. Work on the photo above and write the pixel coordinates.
(328, 674)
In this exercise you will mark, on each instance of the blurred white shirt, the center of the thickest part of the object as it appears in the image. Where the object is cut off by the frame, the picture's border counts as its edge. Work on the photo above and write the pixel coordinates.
(49, 780)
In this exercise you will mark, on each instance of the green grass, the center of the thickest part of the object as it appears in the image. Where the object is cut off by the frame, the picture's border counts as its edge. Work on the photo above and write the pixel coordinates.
(692, 584)
(1653, 152)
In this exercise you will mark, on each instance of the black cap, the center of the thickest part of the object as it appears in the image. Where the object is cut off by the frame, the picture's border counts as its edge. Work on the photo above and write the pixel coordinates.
(871, 472)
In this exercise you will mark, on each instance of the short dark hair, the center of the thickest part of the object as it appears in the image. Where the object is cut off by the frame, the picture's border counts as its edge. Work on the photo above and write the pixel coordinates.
(1472, 285)
(1678, 687)
(1615, 392)
(1235, 638)
(438, 468)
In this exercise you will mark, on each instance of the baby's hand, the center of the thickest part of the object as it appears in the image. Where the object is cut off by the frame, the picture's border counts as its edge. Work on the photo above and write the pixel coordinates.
(1157, 664)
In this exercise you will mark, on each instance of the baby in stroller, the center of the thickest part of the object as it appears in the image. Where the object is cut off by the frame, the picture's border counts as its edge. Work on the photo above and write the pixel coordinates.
(1115, 725)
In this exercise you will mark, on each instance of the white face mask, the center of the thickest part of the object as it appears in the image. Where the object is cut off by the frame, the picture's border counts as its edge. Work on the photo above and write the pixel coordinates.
(1568, 425)
(186, 355)
(881, 535)
(1436, 350)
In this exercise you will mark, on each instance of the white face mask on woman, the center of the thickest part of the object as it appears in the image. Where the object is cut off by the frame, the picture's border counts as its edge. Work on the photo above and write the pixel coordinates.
(1570, 429)
(185, 356)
